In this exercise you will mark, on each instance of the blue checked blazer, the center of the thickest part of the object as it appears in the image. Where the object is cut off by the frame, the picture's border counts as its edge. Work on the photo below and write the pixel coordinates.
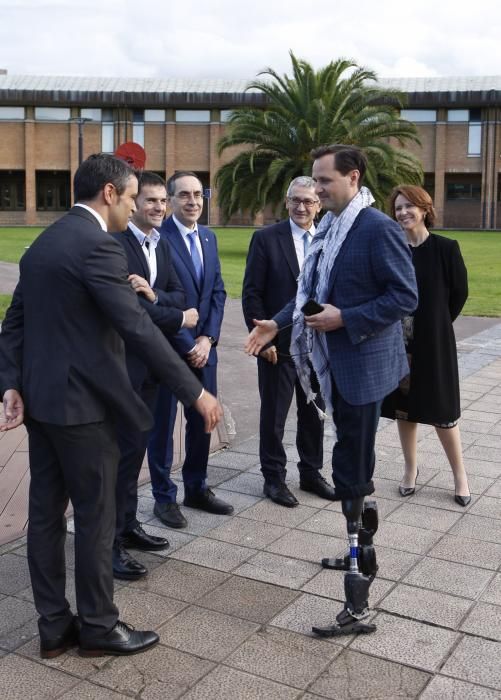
(374, 285)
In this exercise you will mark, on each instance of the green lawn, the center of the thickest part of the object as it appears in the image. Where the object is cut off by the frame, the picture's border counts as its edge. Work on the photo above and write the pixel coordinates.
(481, 251)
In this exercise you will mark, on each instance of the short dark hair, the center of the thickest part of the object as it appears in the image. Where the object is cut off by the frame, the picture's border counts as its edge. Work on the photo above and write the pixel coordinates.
(346, 158)
(148, 177)
(171, 182)
(96, 171)
(417, 196)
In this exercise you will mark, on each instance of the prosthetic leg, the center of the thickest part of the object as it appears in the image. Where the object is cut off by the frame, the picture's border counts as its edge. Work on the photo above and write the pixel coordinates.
(360, 566)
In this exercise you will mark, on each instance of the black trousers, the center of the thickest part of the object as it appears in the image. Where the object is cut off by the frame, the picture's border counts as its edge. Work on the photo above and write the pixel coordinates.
(276, 389)
(353, 456)
(79, 463)
(132, 444)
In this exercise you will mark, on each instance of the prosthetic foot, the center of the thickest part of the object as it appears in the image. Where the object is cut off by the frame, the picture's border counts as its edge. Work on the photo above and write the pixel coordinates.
(360, 566)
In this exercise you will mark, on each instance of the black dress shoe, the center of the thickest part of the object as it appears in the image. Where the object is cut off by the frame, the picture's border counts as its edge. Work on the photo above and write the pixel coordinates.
(208, 501)
(50, 648)
(120, 641)
(462, 500)
(170, 514)
(126, 567)
(139, 539)
(279, 493)
(318, 485)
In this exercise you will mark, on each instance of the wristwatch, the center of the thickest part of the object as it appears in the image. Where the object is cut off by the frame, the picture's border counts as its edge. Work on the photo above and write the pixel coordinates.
(212, 340)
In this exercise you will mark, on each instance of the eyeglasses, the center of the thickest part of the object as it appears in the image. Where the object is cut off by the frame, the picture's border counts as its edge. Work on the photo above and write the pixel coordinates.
(186, 196)
(308, 203)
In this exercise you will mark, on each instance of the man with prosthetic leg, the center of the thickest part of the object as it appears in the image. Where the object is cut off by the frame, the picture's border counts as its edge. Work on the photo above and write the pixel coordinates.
(359, 271)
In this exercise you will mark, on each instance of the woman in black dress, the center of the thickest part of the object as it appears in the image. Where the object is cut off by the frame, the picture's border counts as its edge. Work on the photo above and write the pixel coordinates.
(430, 393)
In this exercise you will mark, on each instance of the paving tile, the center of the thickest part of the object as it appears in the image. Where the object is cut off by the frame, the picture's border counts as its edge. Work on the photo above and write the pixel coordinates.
(353, 675)
(309, 610)
(405, 537)
(268, 512)
(475, 660)
(246, 532)
(282, 571)
(417, 515)
(449, 577)
(228, 684)
(426, 606)
(14, 574)
(240, 501)
(249, 599)
(325, 522)
(330, 584)
(487, 440)
(393, 563)
(495, 490)
(307, 545)
(206, 633)
(444, 480)
(70, 662)
(249, 446)
(486, 555)
(283, 656)
(233, 460)
(480, 416)
(161, 673)
(181, 580)
(485, 621)
(442, 688)
(440, 498)
(18, 622)
(386, 488)
(488, 507)
(246, 482)
(475, 426)
(407, 641)
(222, 556)
(88, 691)
(489, 454)
(478, 528)
(493, 593)
(145, 610)
(23, 679)
(199, 522)
(482, 468)
(218, 475)
(385, 506)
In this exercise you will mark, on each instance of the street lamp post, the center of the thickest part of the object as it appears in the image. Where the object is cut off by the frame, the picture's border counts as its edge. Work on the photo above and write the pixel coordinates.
(80, 121)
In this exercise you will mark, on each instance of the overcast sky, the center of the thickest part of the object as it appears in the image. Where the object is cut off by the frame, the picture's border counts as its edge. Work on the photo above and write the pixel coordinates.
(232, 39)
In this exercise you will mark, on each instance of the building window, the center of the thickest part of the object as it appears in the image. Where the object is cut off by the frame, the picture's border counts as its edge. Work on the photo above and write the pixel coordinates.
(138, 126)
(419, 115)
(10, 113)
(53, 114)
(154, 115)
(193, 115)
(95, 115)
(225, 115)
(464, 190)
(458, 115)
(107, 131)
(53, 190)
(12, 190)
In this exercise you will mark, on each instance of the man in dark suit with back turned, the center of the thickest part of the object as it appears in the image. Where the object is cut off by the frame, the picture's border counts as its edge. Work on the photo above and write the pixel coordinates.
(154, 279)
(62, 356)
(276, 255)
(196, 261)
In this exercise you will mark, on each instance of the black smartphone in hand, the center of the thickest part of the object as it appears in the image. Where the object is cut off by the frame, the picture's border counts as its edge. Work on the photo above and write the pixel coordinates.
(311, 308)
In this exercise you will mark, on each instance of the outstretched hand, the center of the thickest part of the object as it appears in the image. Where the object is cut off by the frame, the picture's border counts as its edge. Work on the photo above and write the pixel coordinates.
(261, 335)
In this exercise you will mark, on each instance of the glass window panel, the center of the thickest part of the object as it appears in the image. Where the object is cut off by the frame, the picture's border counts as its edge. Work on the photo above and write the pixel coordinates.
(58, 114)
(93, 114)
(226, 114)
(107, 114)
(138, 115)
(108, 138)
(419, 115)
(474, 139)
(458, 115)
(11, 112)
(138, 134)
(154, 115)
(193, 115)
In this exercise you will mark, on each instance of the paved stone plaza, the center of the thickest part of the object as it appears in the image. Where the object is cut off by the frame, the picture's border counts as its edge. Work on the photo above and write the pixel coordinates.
(234, 598)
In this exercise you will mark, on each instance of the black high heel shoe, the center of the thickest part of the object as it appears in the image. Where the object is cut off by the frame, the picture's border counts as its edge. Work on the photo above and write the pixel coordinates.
(462, 500)
(408, 490)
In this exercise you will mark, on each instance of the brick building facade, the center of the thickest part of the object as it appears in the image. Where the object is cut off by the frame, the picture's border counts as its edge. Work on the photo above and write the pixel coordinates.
(46, 121)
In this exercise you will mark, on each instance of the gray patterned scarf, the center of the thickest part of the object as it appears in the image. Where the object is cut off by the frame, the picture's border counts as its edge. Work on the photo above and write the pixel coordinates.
(309, 347)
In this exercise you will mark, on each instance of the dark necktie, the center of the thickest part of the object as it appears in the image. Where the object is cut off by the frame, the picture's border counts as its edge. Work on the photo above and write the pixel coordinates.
(195, 256)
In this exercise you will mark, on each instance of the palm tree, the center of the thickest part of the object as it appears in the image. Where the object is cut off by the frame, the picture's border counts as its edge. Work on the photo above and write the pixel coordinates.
(340, 103)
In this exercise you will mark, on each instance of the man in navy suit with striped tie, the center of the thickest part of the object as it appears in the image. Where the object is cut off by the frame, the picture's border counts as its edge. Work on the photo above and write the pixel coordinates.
(196, 261)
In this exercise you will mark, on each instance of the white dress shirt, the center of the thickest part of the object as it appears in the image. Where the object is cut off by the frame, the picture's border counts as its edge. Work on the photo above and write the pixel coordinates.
(184, 231)
(95, 214)
(298, 238)
(148, 250)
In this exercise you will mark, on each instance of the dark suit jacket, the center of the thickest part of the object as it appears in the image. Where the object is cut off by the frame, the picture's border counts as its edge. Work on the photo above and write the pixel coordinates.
(208, 299)
(60, 344)
(270, 279)
(374, 285)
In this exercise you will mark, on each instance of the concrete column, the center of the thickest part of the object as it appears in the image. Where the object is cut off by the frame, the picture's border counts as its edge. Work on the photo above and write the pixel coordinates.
(440, 154)
(30, 167)
(214, 164)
